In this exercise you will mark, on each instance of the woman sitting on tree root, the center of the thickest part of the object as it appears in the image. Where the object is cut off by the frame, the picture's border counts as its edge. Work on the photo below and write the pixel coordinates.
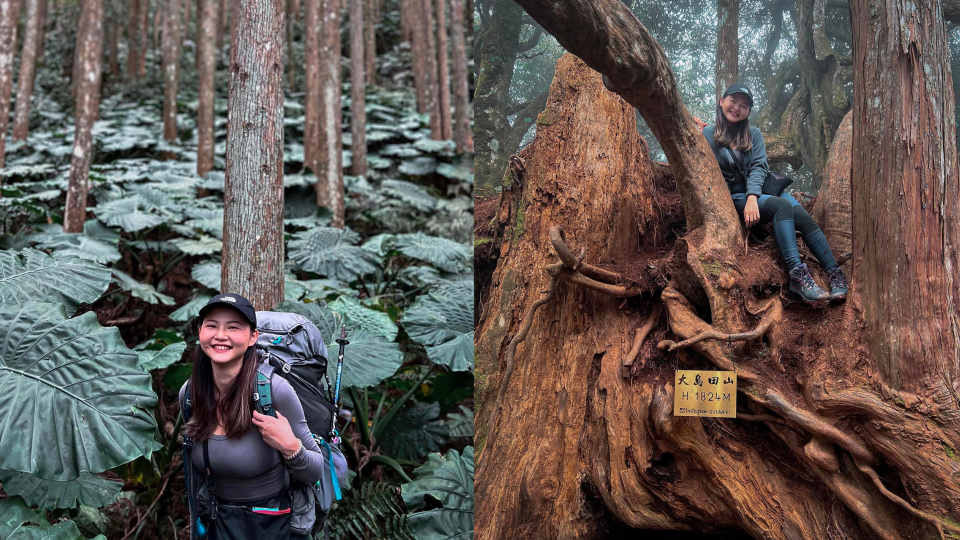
(743, 161)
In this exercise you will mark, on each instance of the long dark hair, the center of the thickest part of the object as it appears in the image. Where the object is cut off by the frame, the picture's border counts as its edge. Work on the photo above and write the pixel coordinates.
(736, 135)
(234, 407)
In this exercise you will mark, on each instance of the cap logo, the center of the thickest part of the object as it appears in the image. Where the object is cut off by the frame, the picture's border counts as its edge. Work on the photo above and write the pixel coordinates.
(229, 299)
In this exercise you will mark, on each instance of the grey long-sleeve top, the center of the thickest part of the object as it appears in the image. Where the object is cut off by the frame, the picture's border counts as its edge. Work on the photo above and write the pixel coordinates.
(247, 468)
(751, 166)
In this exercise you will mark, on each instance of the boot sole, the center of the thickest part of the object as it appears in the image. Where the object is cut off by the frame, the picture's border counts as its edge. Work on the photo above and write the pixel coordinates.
(815, 302)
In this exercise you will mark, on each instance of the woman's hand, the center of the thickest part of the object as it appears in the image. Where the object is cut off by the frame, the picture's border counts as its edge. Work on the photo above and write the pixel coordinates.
(276, 432)
(700, 123)
(751, 212)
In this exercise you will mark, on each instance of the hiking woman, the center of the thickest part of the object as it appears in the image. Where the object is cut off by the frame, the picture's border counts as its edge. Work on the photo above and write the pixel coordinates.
(245, 453)
(740, 152)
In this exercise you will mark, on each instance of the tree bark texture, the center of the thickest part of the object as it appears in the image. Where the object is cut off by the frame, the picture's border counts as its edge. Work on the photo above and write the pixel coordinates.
(253, 194)
(206, 111)
(9, 15)
(905, 200)
(495, 59)
(329, 172)
(406, 25)
(291, 21)
(113, 53)
(311, 122)
(133, 38)
(42, 33)
(418, 52)
(371, 19)
(431, 82)
(358, 115)
(28, 70)
(144, 13)
(728, 43)
(222, 16)
(827, 443)
(461, 104)
(171, 68)
(90, 46)
(832, 208)
(443, 72)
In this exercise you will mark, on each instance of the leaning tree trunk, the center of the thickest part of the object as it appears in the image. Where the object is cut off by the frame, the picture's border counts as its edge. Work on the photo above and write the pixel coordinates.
(253, 192)
(90, 46)
(573, 398)
(9, 14)
(171, 68)
(728, 43)
(370, 40)
(206, 111)
(431, 82)
(28, 68)
(461, 103)
(358, 115)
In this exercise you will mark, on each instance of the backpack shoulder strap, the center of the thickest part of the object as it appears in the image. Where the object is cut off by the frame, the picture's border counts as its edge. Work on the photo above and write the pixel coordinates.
(263, 397)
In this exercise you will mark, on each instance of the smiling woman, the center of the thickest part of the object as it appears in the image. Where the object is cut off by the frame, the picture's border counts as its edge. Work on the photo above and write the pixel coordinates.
(245, 487)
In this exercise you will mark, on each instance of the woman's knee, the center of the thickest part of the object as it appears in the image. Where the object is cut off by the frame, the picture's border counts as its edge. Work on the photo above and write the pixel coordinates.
(779, 208)
(803, 221)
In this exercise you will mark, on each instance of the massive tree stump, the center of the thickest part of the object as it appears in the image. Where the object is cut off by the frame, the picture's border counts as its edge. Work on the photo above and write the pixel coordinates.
(576, 435)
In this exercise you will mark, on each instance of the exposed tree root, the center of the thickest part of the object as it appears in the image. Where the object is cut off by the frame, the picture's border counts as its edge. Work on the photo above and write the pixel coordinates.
(642, 332)
(937, 522)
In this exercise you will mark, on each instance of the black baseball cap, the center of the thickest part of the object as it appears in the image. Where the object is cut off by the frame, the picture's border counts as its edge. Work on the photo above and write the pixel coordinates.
(234, 301)
(738, 88)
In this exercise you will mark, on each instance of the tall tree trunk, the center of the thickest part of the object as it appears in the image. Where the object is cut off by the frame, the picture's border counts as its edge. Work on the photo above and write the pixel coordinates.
(115, 30)
(329, 172)
(133, 38)
(443, 77)
(171, 68)
(311, 122)
(370, 40)
(9, 14)
(837, 440)
(418, 51)
(431, 82)
(206, 112)
(222, 16)
(461, 104)
(358, 115)
(253, 192)
(406, 24)
(905, 201)
(142, 35)
(42, 33)
(728, 43)
(90, 45)
(28, 69)
(291, 67)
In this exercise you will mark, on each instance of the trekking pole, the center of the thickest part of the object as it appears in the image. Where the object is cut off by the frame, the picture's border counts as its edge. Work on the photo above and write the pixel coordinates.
(342, 341)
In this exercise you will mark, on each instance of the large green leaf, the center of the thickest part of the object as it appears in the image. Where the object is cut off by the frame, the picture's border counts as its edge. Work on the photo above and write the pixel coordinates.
(449, 481)
(64, 530)
(206, 220)
(410, 193)
(375, 322)
(73, 382)
(150, 360)
(88, 489)
(415, 432)
(330, 252)
(127, 214)
(143, 291)
(205, 245)
(208, 274)
(442, 321)
(13, 514)
(34, 275)
(445, 254)
(368, 359)
(461, 423)
(191, 308)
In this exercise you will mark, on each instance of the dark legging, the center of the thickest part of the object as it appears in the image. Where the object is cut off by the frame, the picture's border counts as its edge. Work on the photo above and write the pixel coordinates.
(788, 217)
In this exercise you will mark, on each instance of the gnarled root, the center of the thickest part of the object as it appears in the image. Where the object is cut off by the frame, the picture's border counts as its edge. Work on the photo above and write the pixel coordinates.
(642, 332)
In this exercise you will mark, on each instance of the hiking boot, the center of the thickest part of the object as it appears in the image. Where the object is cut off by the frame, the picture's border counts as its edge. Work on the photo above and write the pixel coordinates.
(803, 285)
(838, 284)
